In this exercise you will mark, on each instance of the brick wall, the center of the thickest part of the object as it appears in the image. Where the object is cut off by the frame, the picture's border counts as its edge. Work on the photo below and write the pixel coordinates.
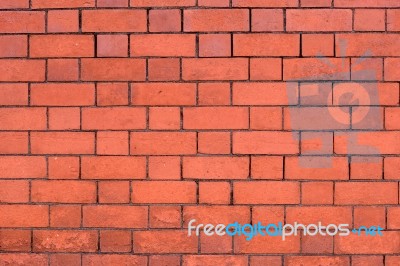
(120, 121)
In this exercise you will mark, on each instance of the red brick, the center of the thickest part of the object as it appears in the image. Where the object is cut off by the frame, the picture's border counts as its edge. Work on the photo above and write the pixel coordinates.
(272, 214)
(13, 142)
(214, 192)
(266, 44)
(215, 69)
(63, 167)
(163, 45)
(113, 167)
(316, 143)
(163, 143)
(263, 3)
(14, 191)
(13, 94)
(5, 4)
(392, 118)
(56, 94)
(154, 242)
(112, 94)
(215, 45)
(364, 143)
(316, 93)
(22, 70)
(393, 21)
(165, 20)
(266, 167)
(367, 260)
(63, 21)
(28, 21)
(164, 167)
(112, 3)
(115, 241)
(62, 69)
(24, 259)
(164, 118)
(267, 20)
(316, 168)
(209, 260)
(112, 45)
(160, 69)
(265, 69)
(367, 3)
(393, 221)
(65, 241)
(266, 192)
(115, 216)
(214, 93)
(113, 69)
(13, 46)
(64, 118)
(317, 260)
(15, 240)
(391, 69)
(22, 167)
(316, 3)
(265, 142)
(216, 118)
(65, 259)
(65, 216)
(165, 217)
(313, 215)
(317, 45)
(216, 20)
(373, 44)
(369, 216)
(271, 93)
(216, 214)
(317, 193)
(73, 191)
(214, 142)
(216, 167)
(163, 3)
(116, 118)
(366, 167)
(112, 143)
(265, 260)
(163, 94)
(214, 3)
(316, 69)
(392, 168)
(369, 20)
(266, 245)
(215, 244)
(114, 192)
(317, 244)
(367, 69)
(163, 192)
(24, 216)
(61, 46)
(113, 259)
(388, 243)
(62, 3)
(266, 118)
(62, 142)
(366, 193)
(319, 20)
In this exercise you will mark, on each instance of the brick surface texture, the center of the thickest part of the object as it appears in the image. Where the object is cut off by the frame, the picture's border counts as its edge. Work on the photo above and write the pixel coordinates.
(122, 120)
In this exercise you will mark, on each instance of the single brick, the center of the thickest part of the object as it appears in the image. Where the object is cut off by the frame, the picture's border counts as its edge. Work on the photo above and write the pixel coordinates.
(316, 69)
(64, 118)
(263, 3)
(113, 118)
(267, 20)
(315, 214)
(10, 4)
(163, 3)
(15, 240)
(123, 20)
(73, 191)
(165, 217)
(13, 94)
(164, 69)
(168, 20)
(215, 45)
(164, 118)
(113, 259)
(216, 167)
(67, 94)
(374, 44)
(115, 241)
(369, 216)
(22, 70)
(366, 167)
(24, 215)
(62, 69)
(109, 94)
(62, 3)
(63, 21)
(14, 191)
(114, 191)
(13, 46)
(28, 21)
(163, 192)
(214, 142)
(112, 143)
(164, 167)
(163, 45)
(365, 193)
(266, 118)
(116, 216)
(23, 118)
(393, 21)
(65, 240)
(214, 93)
(22, 167)
(63, 167)
(314, 193)
(266, 44)
(267, 167)
(214, 193)
(216, 214)
(319, 20)
(61, 46)
(369, 20)
(215, 118)
(13, 142)
(317, 45)
(112, 3)
(265, 69)
(112, 45)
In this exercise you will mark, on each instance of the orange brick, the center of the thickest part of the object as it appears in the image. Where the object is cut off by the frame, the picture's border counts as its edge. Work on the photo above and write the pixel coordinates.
(115, 241)
(393, 21)
(13, 46)
(319, 20)
(267, 167)
(154, 242)
(215, 118)
(115, 216)
(112, 45)
(393, 214)
(22, 167)
(214, 93)
(316, 143)
(112, 143)
(62, 142)
(369, 20)
(317, 45)
(391, 66)
(366, 167)
(312, 215)
(161, 69)
(164, 118)
(317, 244)
(13, 142)
(216, 167)
(163, 192)
(214, 142)
(22, 70)
(113, 259)
(123, 20)
(214, 192)
(165, 217)
(62, 3)
(64, 118)
(316, 168)
(392, 168)
(365, 193)
(164, 167)
(14, 191)
(368, 69)
(113, 118)
(210, 259)
(164, 3)
(63, 167)
(266, 44)
(267, 20)
(216, 214)
(215, 244)
(112, 3)
(63, 240)
(317, 260)
(28, 21)
(72, 46)
(367, 260)
(14, 4)
(214, 3)
(62, 259)
(317, 193)
(13, 94)
(24, 216)
(316, 3)
(369, 216)
(56, 94)
(227, 20)
(265, 69)
(263, 3)
(316, 69)
(65, 216)
(214, 45)
(377, 44)
(266, 118)
(15, 240)
(163, 45)
(114, 192)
